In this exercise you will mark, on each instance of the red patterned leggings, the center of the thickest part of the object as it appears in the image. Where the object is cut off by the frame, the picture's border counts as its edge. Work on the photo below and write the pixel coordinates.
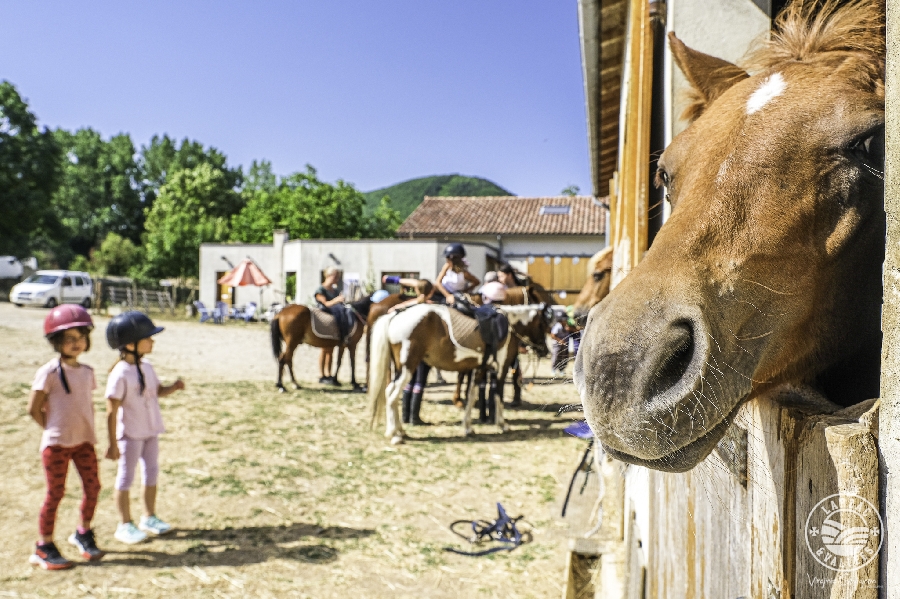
(56, 466)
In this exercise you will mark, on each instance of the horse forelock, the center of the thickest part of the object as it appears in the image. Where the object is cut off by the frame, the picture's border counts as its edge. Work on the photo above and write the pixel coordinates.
(808, 29)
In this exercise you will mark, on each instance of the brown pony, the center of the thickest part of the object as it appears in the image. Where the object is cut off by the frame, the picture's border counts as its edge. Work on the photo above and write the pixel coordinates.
(532, 293)
(596, 287)
(293, 326)
(422, 332)
(767, 276)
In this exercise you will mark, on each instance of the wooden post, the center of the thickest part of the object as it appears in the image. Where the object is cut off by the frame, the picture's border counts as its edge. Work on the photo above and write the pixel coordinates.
(889, 433)
(629, 222)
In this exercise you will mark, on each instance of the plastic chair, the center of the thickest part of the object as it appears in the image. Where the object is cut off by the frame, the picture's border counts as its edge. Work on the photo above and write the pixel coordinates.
(205, 314)
(220, 312)
(249, 312)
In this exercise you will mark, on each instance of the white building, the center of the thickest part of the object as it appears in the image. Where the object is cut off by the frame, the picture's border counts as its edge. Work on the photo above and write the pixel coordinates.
(549, 238)
(296, 266)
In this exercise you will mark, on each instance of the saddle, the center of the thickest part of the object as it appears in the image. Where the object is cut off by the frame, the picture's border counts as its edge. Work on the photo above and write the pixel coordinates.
(325, 325)
(479, 328)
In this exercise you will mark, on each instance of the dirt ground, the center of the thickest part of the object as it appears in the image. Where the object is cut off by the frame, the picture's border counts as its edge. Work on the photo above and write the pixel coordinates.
(290, 495)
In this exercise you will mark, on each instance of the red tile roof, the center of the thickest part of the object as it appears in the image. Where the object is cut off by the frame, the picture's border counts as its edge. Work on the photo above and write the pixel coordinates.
(504, 215)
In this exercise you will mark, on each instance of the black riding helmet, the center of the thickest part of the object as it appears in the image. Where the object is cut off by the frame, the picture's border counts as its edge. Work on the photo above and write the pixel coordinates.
(130, 327)
(455, 249)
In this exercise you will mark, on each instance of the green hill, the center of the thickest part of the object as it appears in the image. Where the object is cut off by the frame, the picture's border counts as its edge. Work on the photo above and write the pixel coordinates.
(406, 196)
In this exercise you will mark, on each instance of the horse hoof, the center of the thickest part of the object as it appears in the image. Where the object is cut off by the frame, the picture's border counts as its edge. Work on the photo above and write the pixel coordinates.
(297, 387)
(358, 389)
(467, 432)
(397, 440)
(504, 428)
(281, 389)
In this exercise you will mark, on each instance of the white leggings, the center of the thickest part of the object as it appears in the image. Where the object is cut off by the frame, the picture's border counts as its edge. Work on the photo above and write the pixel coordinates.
(130, 450)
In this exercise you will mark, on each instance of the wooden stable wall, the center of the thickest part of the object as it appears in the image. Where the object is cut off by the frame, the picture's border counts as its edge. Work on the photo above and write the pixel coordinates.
(736, 525)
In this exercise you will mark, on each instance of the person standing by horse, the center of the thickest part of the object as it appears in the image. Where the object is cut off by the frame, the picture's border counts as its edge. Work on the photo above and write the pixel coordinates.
(329, 298)
(453, 278)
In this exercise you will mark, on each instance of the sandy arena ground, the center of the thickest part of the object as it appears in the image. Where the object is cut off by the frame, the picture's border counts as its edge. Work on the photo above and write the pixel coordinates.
(289, 495)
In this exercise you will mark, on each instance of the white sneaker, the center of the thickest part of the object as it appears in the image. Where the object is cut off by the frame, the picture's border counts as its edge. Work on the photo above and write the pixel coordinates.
(129, 534)
(154, 525)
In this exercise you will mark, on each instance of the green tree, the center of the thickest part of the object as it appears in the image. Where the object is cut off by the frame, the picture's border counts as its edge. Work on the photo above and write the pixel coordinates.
(304, 205)
(115, 256)
(260, 177)
(383, 222)
(29, 174)
(191, 208)
(571, 190)
(164, 157)
(98, 192)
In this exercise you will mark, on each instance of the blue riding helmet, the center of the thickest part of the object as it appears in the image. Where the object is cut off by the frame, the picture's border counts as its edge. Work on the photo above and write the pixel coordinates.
(455, 249)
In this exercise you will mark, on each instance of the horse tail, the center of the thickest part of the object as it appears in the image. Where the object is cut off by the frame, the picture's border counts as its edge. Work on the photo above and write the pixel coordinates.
(379, 368)
(275, 328)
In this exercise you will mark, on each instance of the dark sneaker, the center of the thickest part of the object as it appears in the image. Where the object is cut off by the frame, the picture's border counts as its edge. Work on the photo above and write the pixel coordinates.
(48, 557)
(86, 545)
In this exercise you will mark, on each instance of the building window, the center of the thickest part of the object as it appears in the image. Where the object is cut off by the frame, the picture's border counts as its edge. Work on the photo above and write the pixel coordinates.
(557, 209)
(394, 287)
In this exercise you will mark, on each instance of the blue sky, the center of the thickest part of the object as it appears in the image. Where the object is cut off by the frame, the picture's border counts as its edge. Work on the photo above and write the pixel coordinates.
(373, 92)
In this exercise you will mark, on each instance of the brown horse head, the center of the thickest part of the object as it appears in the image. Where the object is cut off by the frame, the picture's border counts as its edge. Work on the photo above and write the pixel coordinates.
(768, 272)
(596, 287)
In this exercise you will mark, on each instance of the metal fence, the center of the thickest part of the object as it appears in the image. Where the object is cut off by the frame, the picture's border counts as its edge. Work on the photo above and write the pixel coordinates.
(140, 299)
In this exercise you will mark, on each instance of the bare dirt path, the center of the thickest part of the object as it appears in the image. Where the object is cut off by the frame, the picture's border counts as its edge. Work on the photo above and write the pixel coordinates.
(289, 495)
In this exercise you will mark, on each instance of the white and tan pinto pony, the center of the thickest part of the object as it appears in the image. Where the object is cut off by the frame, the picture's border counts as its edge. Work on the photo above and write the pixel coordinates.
(432, 333)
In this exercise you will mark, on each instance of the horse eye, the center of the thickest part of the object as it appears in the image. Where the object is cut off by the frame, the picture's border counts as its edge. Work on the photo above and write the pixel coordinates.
(598, 276)
(663, 177)
(869, 151)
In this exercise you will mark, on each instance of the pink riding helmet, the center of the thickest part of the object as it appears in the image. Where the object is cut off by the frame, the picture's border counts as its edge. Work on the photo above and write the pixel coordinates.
(494, 291)
(67, 316)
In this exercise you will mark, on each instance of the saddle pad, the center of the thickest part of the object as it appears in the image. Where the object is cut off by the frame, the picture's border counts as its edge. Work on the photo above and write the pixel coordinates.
(464, 331)
(325, 326)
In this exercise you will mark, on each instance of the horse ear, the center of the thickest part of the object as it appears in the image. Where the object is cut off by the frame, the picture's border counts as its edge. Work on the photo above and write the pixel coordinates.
(709, 76)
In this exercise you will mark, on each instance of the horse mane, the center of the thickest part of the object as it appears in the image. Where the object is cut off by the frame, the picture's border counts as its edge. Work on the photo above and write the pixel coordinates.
(600, 261)
(807, 30)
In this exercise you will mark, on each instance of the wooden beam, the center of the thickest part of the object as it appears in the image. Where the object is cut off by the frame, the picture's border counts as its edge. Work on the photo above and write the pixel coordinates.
(889, 434)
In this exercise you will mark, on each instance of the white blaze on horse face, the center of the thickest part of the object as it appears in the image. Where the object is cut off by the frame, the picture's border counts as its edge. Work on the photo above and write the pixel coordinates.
(772, 87)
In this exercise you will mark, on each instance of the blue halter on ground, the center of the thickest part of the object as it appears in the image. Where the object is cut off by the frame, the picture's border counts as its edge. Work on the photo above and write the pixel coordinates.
(502, 530)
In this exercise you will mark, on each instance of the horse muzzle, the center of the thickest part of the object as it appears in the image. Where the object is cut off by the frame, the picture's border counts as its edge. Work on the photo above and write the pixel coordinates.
(645, 385)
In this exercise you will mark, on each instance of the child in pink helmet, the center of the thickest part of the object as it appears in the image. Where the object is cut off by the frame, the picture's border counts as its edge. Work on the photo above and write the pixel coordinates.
(61, 403)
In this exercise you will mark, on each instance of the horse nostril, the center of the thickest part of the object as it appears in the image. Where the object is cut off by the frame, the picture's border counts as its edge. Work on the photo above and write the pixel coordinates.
(676, 361)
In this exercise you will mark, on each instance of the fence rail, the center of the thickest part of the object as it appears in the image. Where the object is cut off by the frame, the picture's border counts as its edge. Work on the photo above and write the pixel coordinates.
(143, 299)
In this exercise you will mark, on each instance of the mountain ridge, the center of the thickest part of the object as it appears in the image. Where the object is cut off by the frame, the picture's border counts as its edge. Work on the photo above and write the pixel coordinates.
(407, 195)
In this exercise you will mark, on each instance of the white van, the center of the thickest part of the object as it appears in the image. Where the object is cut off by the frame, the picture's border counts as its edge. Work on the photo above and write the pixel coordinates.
(50, 288)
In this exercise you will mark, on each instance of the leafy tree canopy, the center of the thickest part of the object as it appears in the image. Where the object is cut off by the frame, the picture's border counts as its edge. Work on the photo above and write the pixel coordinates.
(163, 157)
(191, 208)
(29, 174)
(310, 209)
(98, 193)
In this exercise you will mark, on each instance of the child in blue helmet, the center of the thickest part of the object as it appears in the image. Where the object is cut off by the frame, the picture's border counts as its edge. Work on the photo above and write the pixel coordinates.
(134, 421)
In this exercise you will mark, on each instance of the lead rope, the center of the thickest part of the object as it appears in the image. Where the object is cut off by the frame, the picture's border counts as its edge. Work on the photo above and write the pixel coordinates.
(502, 530)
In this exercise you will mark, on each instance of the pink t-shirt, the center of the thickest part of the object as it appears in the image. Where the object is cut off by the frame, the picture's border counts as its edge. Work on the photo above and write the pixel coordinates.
(70, 416)
(139, 416)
